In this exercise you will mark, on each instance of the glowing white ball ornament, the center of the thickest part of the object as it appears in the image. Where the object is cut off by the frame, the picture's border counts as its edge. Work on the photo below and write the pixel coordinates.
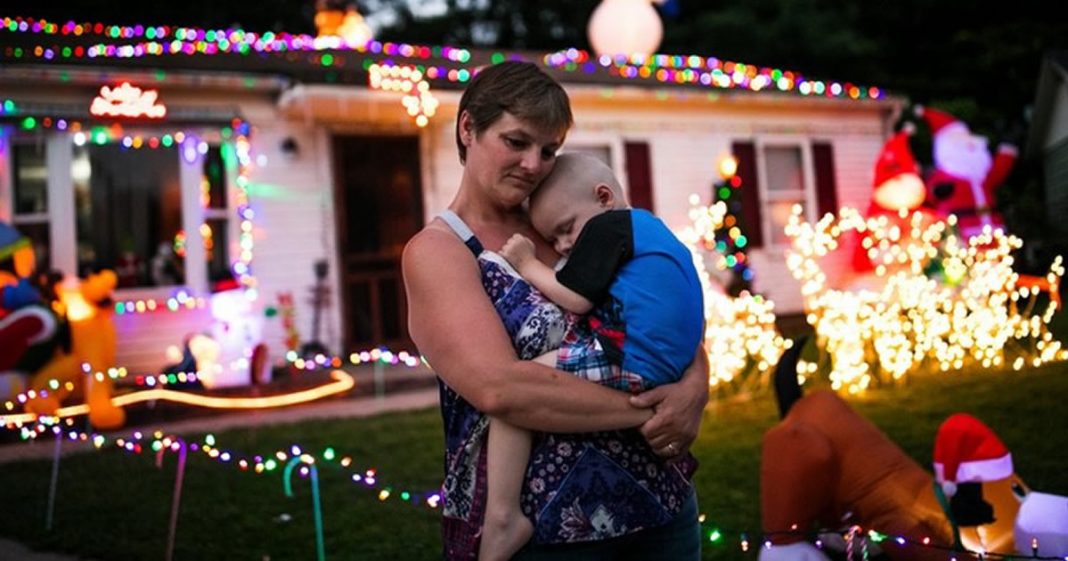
(625, 27)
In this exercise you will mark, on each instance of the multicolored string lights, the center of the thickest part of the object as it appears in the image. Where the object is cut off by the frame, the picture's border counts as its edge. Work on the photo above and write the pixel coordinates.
(862, 541)
(708, 72)
(140, 41)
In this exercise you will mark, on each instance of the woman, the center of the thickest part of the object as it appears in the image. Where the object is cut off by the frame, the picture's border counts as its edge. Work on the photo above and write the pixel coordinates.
(593, 490)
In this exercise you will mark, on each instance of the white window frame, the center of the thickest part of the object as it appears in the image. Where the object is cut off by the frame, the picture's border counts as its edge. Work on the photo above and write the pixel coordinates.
(767, 196)
(59, 152)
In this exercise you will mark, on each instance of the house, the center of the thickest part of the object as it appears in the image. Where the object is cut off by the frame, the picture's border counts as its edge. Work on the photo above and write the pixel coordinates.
(1048, 139)
(232, 157)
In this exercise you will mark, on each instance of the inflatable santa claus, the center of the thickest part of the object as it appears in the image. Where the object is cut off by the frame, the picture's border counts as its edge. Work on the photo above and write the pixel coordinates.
(966, 175)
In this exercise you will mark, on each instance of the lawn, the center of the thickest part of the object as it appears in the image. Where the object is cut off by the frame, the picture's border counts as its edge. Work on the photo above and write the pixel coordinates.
(114, 506)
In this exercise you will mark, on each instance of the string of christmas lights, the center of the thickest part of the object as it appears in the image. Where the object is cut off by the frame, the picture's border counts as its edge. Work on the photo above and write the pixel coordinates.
(379, 355)
(138, 442)
(740, 333)
(705, 71)
(170, 40)
(373, 356)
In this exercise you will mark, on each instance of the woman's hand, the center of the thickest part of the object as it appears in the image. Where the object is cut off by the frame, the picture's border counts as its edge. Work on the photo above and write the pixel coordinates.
(677, 408)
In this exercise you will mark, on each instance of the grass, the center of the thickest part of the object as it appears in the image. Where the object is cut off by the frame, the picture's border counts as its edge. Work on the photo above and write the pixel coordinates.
(114, 506)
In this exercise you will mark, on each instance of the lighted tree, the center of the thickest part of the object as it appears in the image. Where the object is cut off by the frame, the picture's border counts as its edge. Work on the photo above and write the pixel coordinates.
(730, 242)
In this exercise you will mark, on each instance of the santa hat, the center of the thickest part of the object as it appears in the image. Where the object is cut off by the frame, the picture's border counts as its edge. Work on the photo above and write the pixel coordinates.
(939, 121)
(967, 451)
(897, 164)
(895, 159)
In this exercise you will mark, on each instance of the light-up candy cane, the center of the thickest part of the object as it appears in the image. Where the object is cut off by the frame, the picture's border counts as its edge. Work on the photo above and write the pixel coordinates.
(55, 478)
(320, 549)
(179, 445)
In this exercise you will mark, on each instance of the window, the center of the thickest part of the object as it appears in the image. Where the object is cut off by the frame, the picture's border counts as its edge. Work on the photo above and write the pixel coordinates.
(155, 218)
(784, 188)
(128, 213)
(778, 174)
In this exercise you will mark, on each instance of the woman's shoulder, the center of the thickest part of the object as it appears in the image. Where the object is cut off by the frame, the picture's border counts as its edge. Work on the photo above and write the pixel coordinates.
(434, 244)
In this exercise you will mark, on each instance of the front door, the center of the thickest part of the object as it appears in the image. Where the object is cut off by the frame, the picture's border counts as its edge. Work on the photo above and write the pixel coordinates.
(380, 206)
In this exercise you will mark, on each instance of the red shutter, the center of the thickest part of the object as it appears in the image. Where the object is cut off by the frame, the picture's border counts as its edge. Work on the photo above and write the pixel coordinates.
(826, 186)
(745, 153)
(639, 175)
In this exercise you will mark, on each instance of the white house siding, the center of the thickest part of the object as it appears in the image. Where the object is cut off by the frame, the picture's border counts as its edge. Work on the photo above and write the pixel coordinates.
(293, 198)
(688, 135)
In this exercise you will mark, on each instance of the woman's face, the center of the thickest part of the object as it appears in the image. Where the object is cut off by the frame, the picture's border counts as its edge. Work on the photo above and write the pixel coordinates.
(510, 157)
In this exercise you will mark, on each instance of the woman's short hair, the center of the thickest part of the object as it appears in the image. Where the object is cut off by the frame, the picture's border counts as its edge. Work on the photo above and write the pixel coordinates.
(519, 88)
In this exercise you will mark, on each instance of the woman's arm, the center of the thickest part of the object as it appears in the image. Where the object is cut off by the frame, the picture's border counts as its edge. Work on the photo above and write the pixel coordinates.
(519, 251)
(679, 408)
(457, 330)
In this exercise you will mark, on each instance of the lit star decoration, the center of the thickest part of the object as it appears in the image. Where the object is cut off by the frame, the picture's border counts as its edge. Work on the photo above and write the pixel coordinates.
(407, 80)
(972, 317)
(740, 334)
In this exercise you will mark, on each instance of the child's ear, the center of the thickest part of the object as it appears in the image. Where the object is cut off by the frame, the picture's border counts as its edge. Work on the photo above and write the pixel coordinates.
(605, 196)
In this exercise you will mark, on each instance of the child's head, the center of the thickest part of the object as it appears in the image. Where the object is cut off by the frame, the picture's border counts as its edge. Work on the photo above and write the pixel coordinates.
(579, 188)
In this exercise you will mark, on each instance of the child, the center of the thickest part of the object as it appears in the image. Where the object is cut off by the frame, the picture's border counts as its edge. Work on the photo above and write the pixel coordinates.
(636, 279)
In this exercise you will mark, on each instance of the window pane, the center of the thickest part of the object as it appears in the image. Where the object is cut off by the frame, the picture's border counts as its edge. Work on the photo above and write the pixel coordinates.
(31, 178)
(779, 216)
(128, 207)
(214, 188)
(784, 168)
(215, 244)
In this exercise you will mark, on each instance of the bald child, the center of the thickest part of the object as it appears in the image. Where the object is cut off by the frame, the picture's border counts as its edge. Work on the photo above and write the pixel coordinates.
(638, 284)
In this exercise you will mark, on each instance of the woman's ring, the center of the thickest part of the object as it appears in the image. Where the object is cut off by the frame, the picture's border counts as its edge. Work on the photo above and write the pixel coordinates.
(671, 447)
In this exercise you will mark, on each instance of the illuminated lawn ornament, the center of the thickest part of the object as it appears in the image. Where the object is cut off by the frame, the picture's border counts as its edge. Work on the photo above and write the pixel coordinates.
(127, 101)
(905, 320)
(740, 335)
(341, 382)
(408, 80)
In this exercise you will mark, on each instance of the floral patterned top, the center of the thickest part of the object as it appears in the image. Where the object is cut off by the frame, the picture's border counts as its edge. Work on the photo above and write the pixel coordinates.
(578, 487)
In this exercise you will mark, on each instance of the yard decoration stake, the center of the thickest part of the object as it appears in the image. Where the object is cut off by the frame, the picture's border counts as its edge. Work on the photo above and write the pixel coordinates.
(55, 479)
(320, 550)
(182, 449)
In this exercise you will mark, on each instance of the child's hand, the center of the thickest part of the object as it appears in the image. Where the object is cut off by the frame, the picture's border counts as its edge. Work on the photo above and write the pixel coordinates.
(518, 250)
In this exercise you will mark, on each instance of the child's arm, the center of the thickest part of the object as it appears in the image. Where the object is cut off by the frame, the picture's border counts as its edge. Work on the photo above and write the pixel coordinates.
(519, 251)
